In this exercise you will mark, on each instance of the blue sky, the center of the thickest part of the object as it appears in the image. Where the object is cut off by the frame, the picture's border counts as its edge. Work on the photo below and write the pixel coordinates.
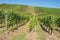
(42, 3)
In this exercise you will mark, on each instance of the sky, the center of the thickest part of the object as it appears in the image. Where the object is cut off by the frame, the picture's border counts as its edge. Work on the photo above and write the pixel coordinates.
(40, 3)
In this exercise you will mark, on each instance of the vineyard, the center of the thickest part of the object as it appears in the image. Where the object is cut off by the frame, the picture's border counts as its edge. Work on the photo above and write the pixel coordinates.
(42, 20)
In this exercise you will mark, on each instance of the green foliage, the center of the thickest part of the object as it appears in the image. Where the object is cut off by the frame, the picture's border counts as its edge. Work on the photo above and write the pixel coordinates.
(13, 18)
(18, 14)
(33, 21)
(58, 22)
(2, 16)
(48, 21)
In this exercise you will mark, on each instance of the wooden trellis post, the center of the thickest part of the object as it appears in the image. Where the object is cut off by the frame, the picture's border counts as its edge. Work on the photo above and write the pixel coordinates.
(6, 16)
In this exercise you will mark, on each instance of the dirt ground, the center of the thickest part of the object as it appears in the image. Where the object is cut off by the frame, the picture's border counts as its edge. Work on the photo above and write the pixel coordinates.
(30, 36)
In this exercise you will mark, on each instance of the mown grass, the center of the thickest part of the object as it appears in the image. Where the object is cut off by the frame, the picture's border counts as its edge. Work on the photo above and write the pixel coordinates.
(2, 30)
(20, 36)
(41, 33)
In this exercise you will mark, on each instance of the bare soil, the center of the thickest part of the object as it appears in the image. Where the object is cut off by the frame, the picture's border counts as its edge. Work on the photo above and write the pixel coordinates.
(30, 35)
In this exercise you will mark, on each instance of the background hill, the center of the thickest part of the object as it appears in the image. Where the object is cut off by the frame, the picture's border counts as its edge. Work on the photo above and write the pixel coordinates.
(30, 9)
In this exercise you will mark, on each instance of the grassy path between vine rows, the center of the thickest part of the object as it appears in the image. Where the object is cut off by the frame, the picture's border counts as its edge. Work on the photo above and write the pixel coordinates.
(23, 34)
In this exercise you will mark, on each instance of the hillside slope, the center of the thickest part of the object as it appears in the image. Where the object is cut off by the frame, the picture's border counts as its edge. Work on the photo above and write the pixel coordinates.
(29, 9)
